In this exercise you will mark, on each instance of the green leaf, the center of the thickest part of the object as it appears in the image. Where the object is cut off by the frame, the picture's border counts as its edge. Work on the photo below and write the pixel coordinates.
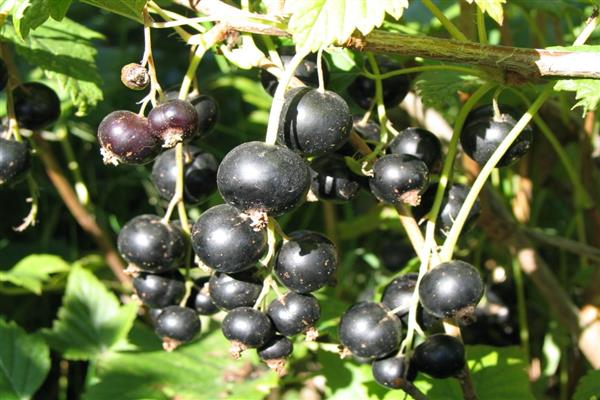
(439, 89)
(65, 52)
(320, 23)
(90, 322)
(492, 7)
(32, 271)
(29, 15)
(58, 8)
(128, 8)
(24, 362)
(588, 387)
(201, 369)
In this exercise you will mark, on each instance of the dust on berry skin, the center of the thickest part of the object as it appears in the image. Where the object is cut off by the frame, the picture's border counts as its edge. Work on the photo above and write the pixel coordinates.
(173, 122)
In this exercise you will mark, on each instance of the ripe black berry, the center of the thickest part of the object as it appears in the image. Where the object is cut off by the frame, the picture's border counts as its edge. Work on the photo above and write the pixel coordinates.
(399, 178)
(440, 356)
(332, 180)
(200, 174)
(173, 122)
(370, 330)
(393, 372)
(176, 323)
(200, 298)
(483, 133)
(276, 348)
(224, 239)
(394, 252)
(395, 89)
(314, 123)
(260, 178)
(306, 262)
(229, 291)
(125, 138)
(398, 293)
(159, 291)
(307, 71)
(451, 290)
(294, 313)
(3, 74)
(208, 113)
(419, 143)
(246, 328)
(36, 105)
(15, 161)
(150, 244)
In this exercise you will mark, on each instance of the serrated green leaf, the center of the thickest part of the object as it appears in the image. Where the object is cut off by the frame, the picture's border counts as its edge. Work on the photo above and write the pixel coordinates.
(32, 271)
(64, 51)
(439, 89)
(90, 321)
(58, 8)
(199, 370)
(127, 8)
(492, 7)
(319, 23)
(30, 14)
(24, 362)
(588, 387)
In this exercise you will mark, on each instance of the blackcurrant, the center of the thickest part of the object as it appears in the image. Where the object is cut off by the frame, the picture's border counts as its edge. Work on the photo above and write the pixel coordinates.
(125, 138)
(229, 291)
(440, 356)
(484, 133)
(246, 328)
(173, 122)
(307, 71)
(369, 131)
(399, 178)
(306, 261)
(159, 291)
(294, 313)
(176, 323)
(277, 347)
(260, 178)
(199, 170)
(370, 330)
(395, 89)
(153, 313)
(393, 372)
(3, 74)
(419, 143)
(394, 252)
(224, 239)
(152, 245)
(314, 123)
(451, 290)
(397, 295)
(200, 298)
(15, 161)
(207, 109)
(332, 180)
(36, 105)
(486, 112)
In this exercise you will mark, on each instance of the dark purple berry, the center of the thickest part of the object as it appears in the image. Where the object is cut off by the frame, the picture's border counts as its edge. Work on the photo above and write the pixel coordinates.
(224, 239)
(36, 105)
(208, 113)
(397, 295)
(419, 143)
(393, 372)
(395, 89)
(399, 178)
(247, 327)
(153, 313)
(332, 180)
(124, 138)
(260, 178)
(277, 348)
(151, 245)
(15, 161)
(173, 122)
(440, 356)
(451, 290)
(307, 71)
(370, 330)
(229, 291)
(200, 299)
(306, 261)
(177, 323)
(159, 291)
(294, 313)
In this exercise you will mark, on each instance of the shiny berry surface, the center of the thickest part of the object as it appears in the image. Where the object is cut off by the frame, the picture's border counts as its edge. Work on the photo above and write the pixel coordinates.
(276, 348)
(37, 106)
(419, 143)
(207, 109)
(393, 372)
(399, 178)
(178, 323)
(332, 180)
(15, 161)
(294, 313)
(173, 122)
(440, 356)
(159, 291)
(248, 327)
(229, 291)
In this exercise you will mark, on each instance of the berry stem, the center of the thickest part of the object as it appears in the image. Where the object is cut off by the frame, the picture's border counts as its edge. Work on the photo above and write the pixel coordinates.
(320, 70)
(425, 68)
(271, 241)
(450, 27)
(172, 16)
(481, 32)
(380, 109)
(148, 59)
(73, 165)
(330, 220)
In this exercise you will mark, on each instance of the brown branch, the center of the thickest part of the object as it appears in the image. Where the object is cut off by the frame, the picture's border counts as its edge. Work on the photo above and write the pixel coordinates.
(81, 215)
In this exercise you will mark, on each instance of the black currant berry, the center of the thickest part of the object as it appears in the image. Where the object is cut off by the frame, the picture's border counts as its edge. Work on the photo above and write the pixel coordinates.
(125, 138)
(484, 133)
(159, 291)
(451, 290)
(394, 252)
(393, 372)
(173, 122)
(397, 295)
(369, 131)
(176, 325)
(395, 89)
(36, 105)
(200, 299)
(440, 356)
(370, 330)
(224, 239)
(229, 291)
(486, 112)
(294, 313)
(314, 123)
(208, 113)
(246, 328)
(419, 143)
(277, 348)
(3, 74)
(150, 244)
(307, 71)
(15, 161)
(260, 178)
(399, 178)
(332, 180)
(199, 170)
(306, 261)
(153, 313)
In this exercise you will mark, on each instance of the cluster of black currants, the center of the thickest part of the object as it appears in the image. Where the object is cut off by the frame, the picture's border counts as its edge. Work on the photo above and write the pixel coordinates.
(36, 106)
